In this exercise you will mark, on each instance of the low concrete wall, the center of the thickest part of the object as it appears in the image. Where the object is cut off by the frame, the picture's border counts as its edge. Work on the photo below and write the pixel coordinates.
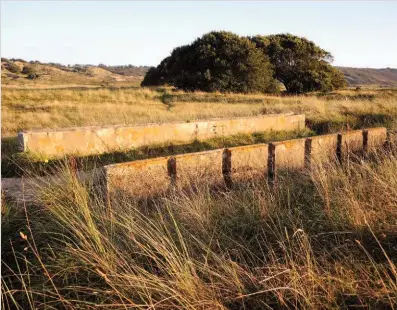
(351, 141)
(323, 148)
(248, 161)
(223, 166)
(139, 178)
(288, 154)
(375, 137)
(202, 167)
(96, 140)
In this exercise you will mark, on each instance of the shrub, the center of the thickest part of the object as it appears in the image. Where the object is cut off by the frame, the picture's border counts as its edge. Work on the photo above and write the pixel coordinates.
(299, 64)
(223, 61)
(218, 61)
(29, 69)
(12, 67)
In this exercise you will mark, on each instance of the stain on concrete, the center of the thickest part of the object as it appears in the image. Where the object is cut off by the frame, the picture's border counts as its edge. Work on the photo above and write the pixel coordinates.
(83, 141)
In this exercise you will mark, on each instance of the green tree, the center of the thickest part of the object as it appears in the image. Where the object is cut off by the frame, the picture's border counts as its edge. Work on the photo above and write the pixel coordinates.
(300, 64)
(157, 76)
(218, 61)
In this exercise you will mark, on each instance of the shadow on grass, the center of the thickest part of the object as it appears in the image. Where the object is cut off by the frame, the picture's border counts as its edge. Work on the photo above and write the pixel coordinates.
(351, 121)
(16, 164)
(9, 146)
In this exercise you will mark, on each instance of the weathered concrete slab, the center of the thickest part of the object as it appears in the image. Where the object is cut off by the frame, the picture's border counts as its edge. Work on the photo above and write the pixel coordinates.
(289, 154)
(249, 161)
(28, 189)
(323, 148)
(140, 178)
(376, 138)
(351, 142)
(199, 168)
(96, 140)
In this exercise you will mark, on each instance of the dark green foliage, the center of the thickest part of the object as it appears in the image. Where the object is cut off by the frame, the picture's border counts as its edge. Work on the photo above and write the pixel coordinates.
(12, 67)
(218, 61)
(154, 77)
(223, 61)
(32, 76)
(168, 100)
(29, 69)
(299, 64)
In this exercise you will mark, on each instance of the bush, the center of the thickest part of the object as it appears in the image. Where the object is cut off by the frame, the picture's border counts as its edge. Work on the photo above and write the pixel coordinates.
(32, 76)
(218, 61)
(12, 67)
(223, 61)
(299, 64)
(29, 69)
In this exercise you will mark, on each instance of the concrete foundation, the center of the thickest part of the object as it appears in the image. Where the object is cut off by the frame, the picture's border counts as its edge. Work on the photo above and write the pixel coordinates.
(202, 167)
(248, 161)
(289, 154)
(140, 178)
(376, 137)
(149, 177)
(83, 141)
(323, 148)
(351, 142)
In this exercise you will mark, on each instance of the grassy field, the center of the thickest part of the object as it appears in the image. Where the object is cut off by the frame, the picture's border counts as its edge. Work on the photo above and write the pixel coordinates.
(53, 108)
(324, 238)
(319, 239)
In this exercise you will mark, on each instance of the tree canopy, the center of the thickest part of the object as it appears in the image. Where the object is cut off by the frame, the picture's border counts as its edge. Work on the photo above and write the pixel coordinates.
(223, 61)
(299, 64)
(218, 61)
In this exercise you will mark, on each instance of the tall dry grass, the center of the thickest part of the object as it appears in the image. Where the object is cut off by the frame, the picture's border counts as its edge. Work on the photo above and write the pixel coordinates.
(318, 239)
(24, 109)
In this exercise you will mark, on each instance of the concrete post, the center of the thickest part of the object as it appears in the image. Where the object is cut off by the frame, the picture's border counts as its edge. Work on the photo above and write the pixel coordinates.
(271, 164)
(227, 167)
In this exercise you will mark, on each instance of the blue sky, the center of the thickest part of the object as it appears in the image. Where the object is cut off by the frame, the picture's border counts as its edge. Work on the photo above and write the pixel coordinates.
(358, 34)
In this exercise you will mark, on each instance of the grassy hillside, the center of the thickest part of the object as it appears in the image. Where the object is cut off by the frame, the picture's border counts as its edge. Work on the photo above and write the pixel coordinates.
(22, 74)
(57, 75)
(386, 77)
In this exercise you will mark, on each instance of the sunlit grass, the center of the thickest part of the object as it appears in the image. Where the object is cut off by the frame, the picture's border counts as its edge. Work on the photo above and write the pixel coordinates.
(24, 109)
(318, 239)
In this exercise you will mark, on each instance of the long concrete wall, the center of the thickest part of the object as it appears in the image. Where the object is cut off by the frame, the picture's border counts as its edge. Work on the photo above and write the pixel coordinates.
(224, 166)
(97, 140)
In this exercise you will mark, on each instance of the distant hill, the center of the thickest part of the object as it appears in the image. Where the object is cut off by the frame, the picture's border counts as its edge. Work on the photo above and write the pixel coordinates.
(128, 70)
(366, 76)
(21, 73)
(16, 72)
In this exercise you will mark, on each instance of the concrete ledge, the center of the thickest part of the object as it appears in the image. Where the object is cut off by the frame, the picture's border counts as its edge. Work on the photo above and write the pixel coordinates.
(85, 141)
(351, 142)
(376, 137)
(202, 167)
(289, 154)
(140, 178)
(223, 166)
(323, 148)
(248, 161)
